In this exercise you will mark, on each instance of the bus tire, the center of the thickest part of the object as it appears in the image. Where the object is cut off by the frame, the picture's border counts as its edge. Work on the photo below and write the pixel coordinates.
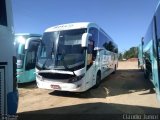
(147, 71)
(145, 74)
(150, 76)
(115, 69)
(98, 79)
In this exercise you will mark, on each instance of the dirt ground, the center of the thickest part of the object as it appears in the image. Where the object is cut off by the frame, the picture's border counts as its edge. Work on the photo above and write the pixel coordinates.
(125, 92)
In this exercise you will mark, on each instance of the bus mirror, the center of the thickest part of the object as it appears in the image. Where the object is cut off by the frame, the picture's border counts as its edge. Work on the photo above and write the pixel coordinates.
(85, 38)
(27, 43)
(29, 40)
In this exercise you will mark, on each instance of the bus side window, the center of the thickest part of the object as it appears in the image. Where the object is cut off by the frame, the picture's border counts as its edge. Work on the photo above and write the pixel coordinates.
(3, 13)
(94, 38)
(90, 52)
(157, 18)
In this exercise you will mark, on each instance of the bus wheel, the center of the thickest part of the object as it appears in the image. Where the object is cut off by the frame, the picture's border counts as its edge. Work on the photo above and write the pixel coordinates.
(150, 76)
(145, 74)
(115, 69)
(145, 71)
(98, 79)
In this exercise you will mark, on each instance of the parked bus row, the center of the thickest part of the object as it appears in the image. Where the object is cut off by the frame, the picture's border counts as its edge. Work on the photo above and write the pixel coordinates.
(71, 57)
(75, 58)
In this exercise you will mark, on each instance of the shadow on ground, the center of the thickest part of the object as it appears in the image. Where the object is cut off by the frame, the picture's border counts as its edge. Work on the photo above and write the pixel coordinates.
(88, 111)
(123, 82)
(28, 85)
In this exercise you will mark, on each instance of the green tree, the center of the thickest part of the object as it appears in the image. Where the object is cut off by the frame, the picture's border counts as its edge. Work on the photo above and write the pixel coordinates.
(120, 56)
(131, 53)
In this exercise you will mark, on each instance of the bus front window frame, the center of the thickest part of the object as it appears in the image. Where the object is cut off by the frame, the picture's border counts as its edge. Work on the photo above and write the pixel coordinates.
(66, 53)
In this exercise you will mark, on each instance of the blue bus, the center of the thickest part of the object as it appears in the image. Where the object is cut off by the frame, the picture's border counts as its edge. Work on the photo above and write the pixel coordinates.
(151, 52)
(26, 47)
(8, 85)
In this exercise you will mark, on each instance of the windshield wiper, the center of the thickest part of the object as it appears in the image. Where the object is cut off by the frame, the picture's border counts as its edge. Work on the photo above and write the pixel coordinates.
(43, 66)
(65, 65)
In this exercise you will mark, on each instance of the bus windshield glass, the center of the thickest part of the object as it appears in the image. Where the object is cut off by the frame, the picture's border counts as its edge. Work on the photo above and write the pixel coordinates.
(20, 56)
(31, 55)
(61, 50)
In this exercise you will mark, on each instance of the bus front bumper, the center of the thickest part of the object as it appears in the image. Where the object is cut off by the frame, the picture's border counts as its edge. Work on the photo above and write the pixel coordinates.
(60, 86)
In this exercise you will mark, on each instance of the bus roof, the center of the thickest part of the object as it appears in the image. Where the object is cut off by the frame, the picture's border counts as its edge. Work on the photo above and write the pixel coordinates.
(69, 26)
(77, 25)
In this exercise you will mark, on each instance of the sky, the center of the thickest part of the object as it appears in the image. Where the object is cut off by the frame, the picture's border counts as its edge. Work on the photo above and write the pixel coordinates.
(125, 21)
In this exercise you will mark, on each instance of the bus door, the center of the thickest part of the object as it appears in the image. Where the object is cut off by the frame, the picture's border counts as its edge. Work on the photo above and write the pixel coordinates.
(91, 70)
(105, 64)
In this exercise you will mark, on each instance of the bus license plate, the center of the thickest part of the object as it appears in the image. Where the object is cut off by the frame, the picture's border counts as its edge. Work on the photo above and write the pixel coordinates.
(55, 87)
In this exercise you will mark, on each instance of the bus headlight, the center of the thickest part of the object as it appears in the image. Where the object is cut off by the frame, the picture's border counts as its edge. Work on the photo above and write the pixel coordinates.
(19, 64)
(76, 78)
(19, 72)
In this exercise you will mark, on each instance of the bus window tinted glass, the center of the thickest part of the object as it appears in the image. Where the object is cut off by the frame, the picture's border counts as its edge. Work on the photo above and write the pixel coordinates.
(149, 34)
(94, 33)
(158, 22)
(31, 55)
(3, 15)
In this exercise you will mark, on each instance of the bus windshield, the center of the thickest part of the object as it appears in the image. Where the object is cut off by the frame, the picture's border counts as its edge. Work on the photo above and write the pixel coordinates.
(31, 55)
(61, 50)
(20, 51)
(20, 56)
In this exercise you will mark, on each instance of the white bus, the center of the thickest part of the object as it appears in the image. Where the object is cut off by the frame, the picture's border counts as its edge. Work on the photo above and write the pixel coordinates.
(75, 57)
(8, 87)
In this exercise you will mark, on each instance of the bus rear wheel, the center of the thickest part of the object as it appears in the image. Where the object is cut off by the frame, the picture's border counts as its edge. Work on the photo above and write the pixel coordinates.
(146, 71)
(98, 79)
(115, 69)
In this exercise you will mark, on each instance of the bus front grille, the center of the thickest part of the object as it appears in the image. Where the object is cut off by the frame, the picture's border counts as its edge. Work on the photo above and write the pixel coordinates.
(2, 91)
(56, 76)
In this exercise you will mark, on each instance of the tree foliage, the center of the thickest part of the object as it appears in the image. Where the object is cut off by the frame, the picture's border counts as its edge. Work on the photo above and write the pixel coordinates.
(120, 56)
(131, 53)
